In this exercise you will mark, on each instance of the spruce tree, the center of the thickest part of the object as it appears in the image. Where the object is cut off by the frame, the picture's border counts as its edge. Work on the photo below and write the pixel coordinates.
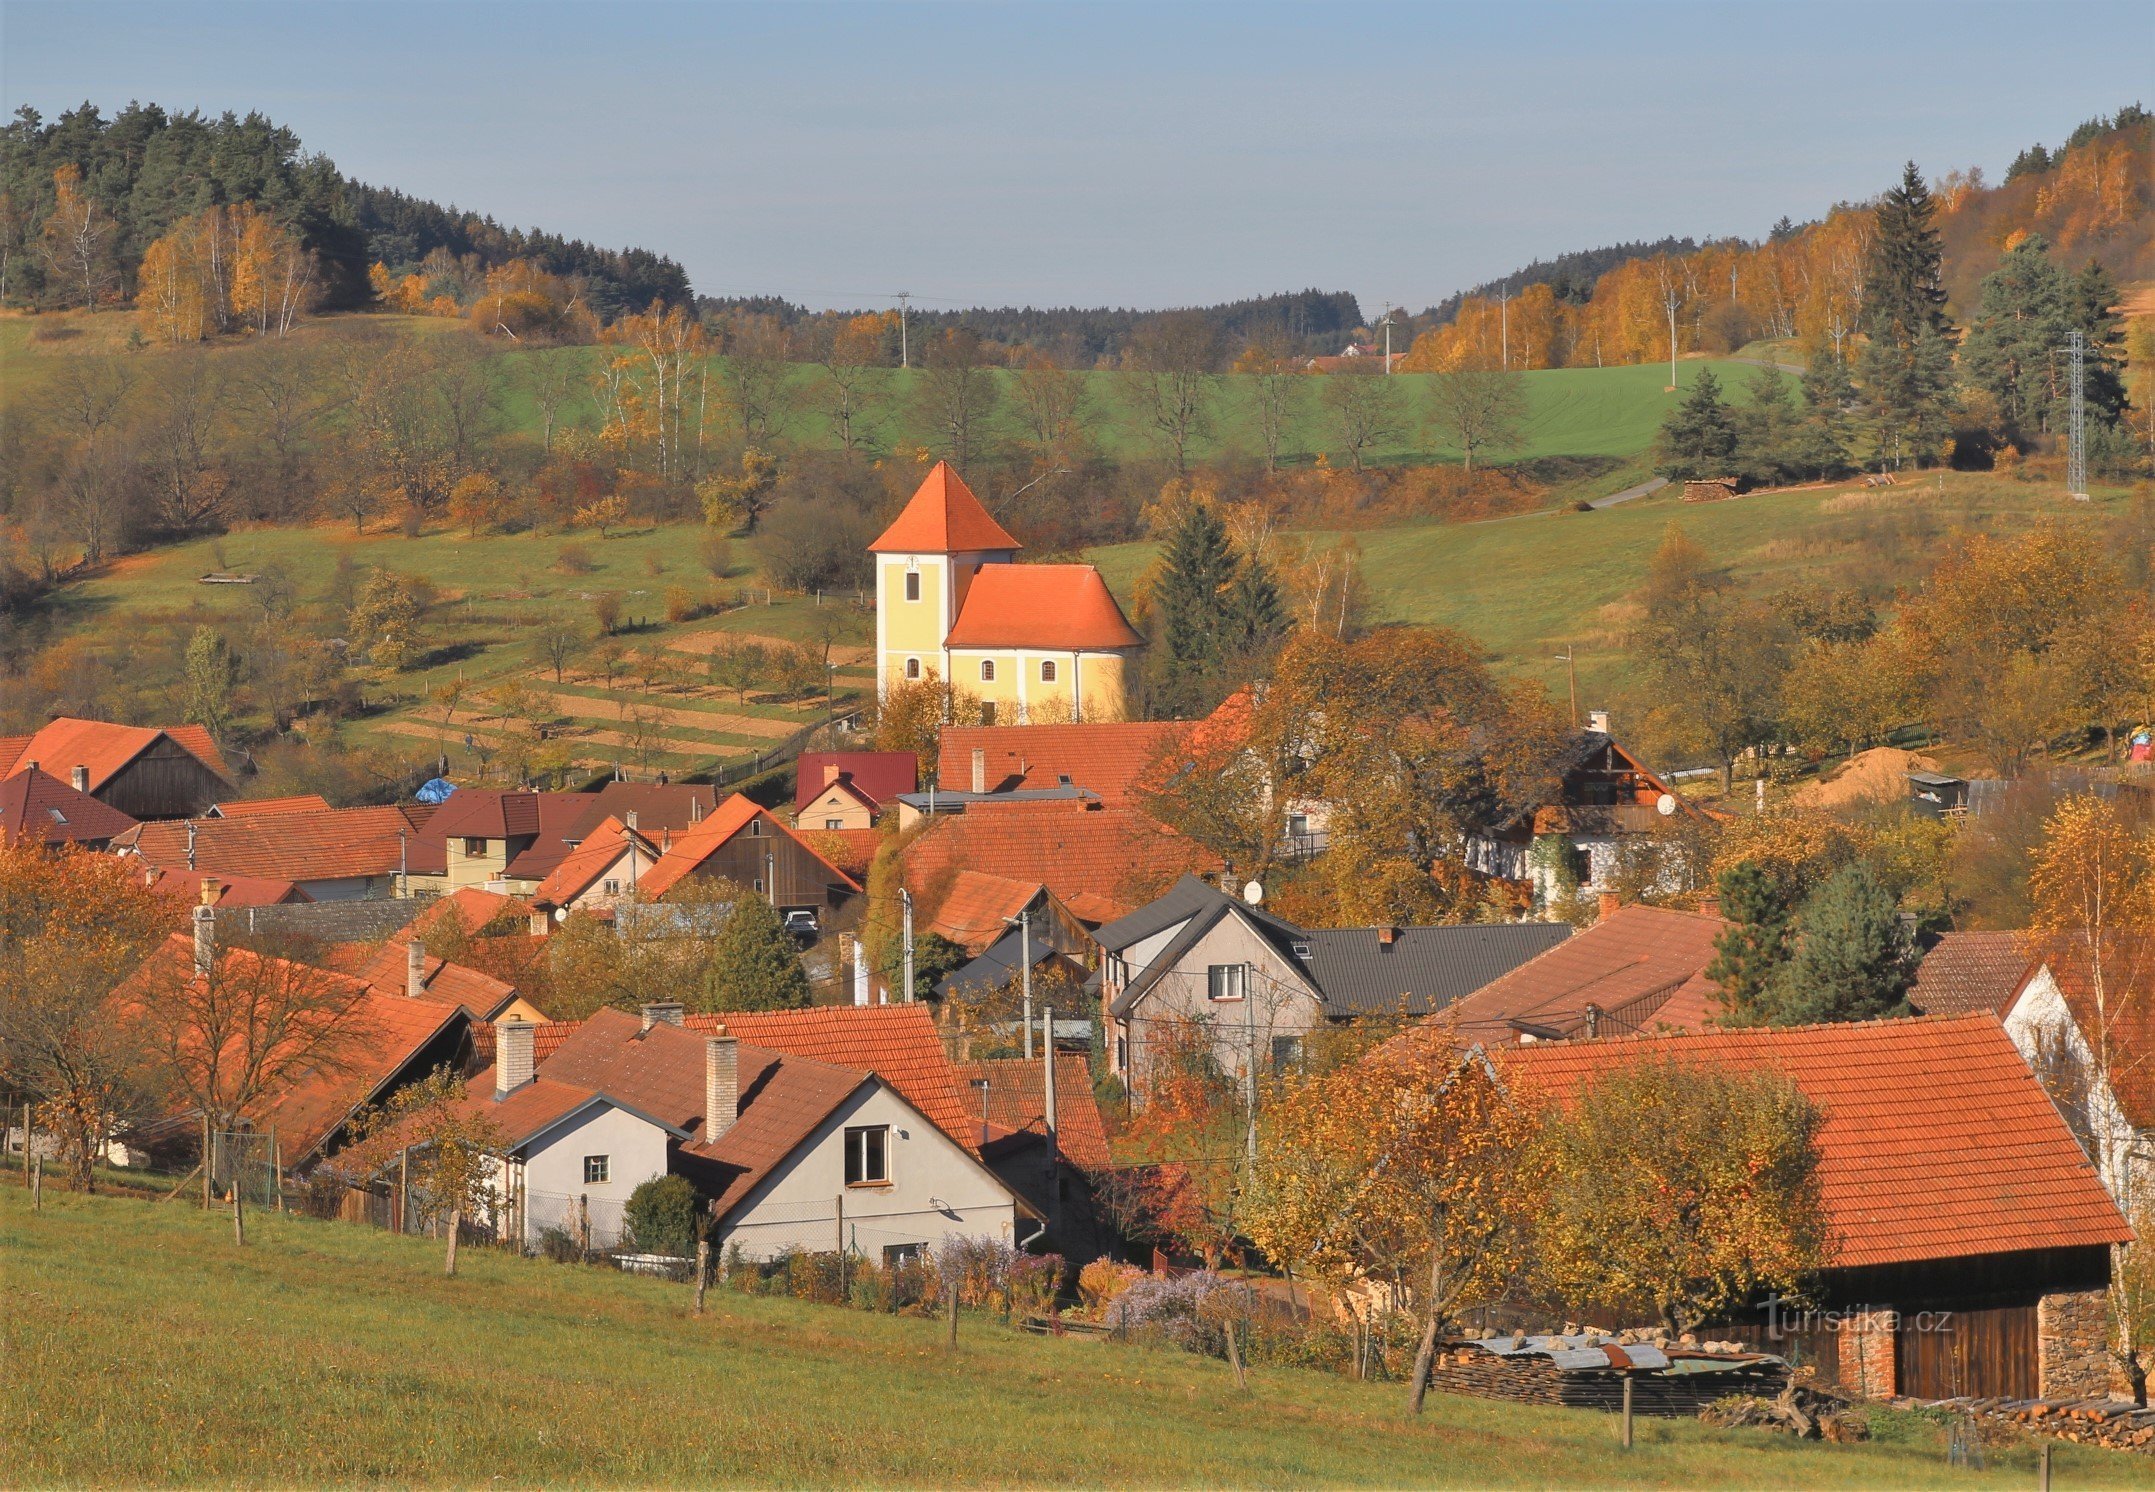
(1199, 566)
(1698, 440)
(2091, 299)
(1750, 955)
(1821, 443)
(2014, 350)
(1855, 959)
(1905, 291)
(755, 965)
(1255, 616)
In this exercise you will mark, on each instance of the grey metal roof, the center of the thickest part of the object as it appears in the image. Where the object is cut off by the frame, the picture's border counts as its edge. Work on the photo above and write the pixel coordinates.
(1423, 969)
(995, 967)
(1181, 901)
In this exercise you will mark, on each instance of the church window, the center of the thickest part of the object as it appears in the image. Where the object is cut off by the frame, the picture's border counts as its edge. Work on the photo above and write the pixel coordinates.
(1047, 671)
(912, 668)
(987, 670)
(912, 585)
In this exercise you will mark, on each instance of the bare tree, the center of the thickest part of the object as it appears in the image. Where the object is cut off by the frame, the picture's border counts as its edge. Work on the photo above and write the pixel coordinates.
(1479, 408)
(1050, 402)
(756, 372)
(847, 351)
(553, 382)
(1173, 357)
(191, 482)
(1276, 391)
(957, 396)
(1365, 411)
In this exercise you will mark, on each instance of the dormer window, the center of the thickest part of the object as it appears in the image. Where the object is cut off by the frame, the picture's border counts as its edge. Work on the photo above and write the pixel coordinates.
(1301, 950)
(912, 585)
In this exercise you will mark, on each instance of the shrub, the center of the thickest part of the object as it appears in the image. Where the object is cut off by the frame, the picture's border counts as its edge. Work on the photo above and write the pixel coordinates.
(1582, 506)
(682, 604)
(661, 1216)
(574, 558)
(1171, 1309)
(716, 552)
(654, 562)
(54, 331)
(1102, 1281)
(606, 609)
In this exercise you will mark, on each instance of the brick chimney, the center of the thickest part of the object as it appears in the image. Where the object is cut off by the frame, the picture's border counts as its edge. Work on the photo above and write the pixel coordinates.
(415, 968)
(980, 769)
(1610, 901)
(1386, 936)
(671, 1012)
(513, 1045)
(830, 773)
(80, 778)
(721, 1086)
(1709, 906)
(205, 934)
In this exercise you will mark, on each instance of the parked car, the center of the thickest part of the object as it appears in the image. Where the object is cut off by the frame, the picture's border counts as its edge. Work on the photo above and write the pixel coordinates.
(801, 922)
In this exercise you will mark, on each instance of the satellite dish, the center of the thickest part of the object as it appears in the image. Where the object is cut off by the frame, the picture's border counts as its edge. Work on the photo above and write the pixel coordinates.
(1665, 804)
(1254, 893)
(561, 914)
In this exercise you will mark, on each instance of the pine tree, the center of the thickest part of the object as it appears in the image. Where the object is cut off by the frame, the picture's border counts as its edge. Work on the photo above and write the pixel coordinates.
(755, 965)
(2014, 350)
(1905, 289)
(1255, 617)
(1904, 397)
(1698, 440)
(1821, 443)
(1200, 565)
(2091, 300)
(1907, 365)
(1854, 960)
(1750, 955)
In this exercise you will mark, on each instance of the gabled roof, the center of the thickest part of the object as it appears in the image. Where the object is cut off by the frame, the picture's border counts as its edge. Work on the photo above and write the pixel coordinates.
(388, 969)
(973, 912)
(876, 776)
(851, 850)
(1937, 1141)
(1058, 607)
(995, 966)
(943, 517)
(1421, 969)
(1179, 903)
(898, 1043)
(696, 845)
(1017, 1103)
(240, 808)
(185, 889)
(474, 908)
(1208, 909)
(1628, 966)
(658, 806)
(1109, 758)
(501, 813)
(67, 742)
(38, 808)
(1074, 848)
(311, 845)
(602, 849)
(1971, 972)
(784, 1100)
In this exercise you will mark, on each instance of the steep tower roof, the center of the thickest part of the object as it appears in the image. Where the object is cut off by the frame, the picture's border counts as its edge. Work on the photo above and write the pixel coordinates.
(943, 517)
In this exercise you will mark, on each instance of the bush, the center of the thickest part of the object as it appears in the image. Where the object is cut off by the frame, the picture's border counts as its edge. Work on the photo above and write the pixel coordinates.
(682, 604)
(606, 610)
(661, 1216)
(1582, 506)
(1102, 1281)
(574, 558)
(716, 552)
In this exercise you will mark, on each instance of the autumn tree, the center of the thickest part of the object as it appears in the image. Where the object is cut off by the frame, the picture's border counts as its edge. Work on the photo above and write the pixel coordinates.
(1715, 659)
(848, 351)
(1049, 402)
(957, 397)
(755, 963)
(1365, 412)
(1172, 361)
(1178, 1174)
(386, 619)
(1683, 1189)
(212, 674)
(1478, 409)
(76, 242)
(449, 1144)
(741, 500)
(476, 501)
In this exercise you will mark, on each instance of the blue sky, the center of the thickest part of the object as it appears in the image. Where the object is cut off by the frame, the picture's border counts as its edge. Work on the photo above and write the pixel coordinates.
(1114, 153)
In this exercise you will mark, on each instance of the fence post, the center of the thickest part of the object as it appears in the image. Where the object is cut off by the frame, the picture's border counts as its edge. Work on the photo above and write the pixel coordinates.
(276, 1161)
(28, 1142)
(703, 1270)
(583, 1226)
(404, 1188)
(1627, 1411)
(37, 1185)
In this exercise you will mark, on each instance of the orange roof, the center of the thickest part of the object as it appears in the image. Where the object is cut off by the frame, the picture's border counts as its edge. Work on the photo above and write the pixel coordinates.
(943, 517)
(475, 908)
(246, 807)
(691, 848)
(388, 969)
(973, 912)
(38, 808)
(1108, 758)
(185, 888)
(1017, 1103)
(1937, 1141)
(851, 850)
(1629, 966)
(599, 852)
(1116, 857)
(310, 845)
(1968, 972)
(66, 743)
(1062, 607)
(898, 1043)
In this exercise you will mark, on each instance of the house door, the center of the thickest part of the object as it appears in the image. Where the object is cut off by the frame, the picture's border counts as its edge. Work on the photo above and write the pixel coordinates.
(1948, 1354)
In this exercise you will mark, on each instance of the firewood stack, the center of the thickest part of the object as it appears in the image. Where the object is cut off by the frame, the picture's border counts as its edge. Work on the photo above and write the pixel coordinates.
(2104, 1422)
(1587, 1371)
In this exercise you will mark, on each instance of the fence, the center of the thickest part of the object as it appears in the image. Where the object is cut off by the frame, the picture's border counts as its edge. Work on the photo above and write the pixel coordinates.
(248, 1162)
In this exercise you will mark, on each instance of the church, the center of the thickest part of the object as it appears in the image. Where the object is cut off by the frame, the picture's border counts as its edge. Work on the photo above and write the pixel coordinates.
(1041, 644)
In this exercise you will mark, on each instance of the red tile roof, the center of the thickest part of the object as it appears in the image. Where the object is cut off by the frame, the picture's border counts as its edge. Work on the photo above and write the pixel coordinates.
(1117, 857)
(1630, 966)
(38, 808)
(1017, 1103)
(475, 909)
(973, 912)
(388, 969)
(66, 742)
(878, 776)
(1937, 1141)
(240, 808)
(851, 850)
(1971, 972)
(315, 845)
(1061, 607)
(1110, 759)
(898, 1043)
(785, 1100)
(943, 517)
(602, 848)
(185, 889)
(696, 845)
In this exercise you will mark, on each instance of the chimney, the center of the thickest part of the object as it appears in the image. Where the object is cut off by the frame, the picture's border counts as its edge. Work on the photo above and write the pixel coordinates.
(29, 766)
(415, 968)
(541, 924)
(629, 819)
(1386, 936)
(980, 770)
(830, 773)
(80, 778)
(1610, 901)
(721, 1086)
(1709, 906)
(205, 938)
(1598, 720)
(671, 1012)
(190, 844)
(512, 1056)
(211, 888)
(695, 809)
(1593, 1021)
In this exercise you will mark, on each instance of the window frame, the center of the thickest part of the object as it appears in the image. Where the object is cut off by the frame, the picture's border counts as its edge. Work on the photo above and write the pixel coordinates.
(987, 670)
(912, 585)
(598, 1170)
(1047, 671)
(473, 847)
(1227, 984)
(867, 1149)
(912, 670)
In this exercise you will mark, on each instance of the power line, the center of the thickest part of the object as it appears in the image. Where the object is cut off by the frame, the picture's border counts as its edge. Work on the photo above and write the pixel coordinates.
(2076, 458)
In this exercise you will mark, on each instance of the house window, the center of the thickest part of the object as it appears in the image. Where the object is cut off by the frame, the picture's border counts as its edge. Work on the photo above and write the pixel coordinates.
(895, 1254)
(1226, 981)
(912, 585)
(613, 888)
(755, 828)
(1297, 825)
(474, 846)
(1122, 1054)
(868, 1155)
(912, 668)
(987, 712)
(596, 1169)
(1286, 1051)
(1047, 671)
(987, 670)
(834, 823)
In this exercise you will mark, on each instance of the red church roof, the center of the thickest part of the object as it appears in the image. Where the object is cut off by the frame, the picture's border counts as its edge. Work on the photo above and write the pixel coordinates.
(1040, 606)
(943, 517)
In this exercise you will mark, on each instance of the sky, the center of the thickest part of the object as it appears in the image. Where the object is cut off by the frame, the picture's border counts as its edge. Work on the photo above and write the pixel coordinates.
(1114, 154)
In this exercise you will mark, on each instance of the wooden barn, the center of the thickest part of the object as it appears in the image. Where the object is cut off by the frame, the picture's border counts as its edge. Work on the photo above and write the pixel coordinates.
(145, 772)
(742, 842)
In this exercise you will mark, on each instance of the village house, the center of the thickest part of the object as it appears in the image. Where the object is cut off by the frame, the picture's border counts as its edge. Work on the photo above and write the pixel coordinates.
(143, 771)
(838, 791)
(1970, 1237)
(333, 854)
(1026, 641)
(745, 843)
(1048, 1143)
(1251, 986)
(1637, 969)
(480, 833)
(603, 869)
(403, 966)
(38, 808)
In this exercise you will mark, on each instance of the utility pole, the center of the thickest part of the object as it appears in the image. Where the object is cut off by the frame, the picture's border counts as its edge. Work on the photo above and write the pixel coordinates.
(1387, 325)
(2076, 449)
(905, 359)
(1571, 675)
(1025, 956)
(905, 901)
(1047, 1088)
(1249, 1061)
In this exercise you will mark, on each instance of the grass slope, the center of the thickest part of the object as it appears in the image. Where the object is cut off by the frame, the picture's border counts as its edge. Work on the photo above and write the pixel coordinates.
(143, 1348)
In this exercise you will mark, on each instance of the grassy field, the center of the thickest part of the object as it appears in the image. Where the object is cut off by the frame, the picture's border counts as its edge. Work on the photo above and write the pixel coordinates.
(143, 1348)
(1525, 587)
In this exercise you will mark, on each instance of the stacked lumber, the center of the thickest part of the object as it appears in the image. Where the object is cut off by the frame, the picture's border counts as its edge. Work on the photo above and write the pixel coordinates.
(2105, 1422)
(1466, 1368)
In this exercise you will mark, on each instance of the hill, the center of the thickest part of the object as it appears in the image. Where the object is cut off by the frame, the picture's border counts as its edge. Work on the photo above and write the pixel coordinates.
(145, 1349)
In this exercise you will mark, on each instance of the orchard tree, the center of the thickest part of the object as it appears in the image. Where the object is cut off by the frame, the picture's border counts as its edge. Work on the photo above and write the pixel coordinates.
(450, 1142)
(1479, 409)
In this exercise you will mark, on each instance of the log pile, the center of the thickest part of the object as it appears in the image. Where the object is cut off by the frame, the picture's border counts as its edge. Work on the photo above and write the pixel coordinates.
(1799, 1410)
(1676, 1389)
(2105, 1422)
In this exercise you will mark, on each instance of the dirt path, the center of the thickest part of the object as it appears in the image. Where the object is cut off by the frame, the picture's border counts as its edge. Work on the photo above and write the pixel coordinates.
(585, 707)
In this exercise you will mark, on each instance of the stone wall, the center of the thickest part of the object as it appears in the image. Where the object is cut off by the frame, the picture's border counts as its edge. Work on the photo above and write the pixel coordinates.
(2072, 1345)
(322, 921)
